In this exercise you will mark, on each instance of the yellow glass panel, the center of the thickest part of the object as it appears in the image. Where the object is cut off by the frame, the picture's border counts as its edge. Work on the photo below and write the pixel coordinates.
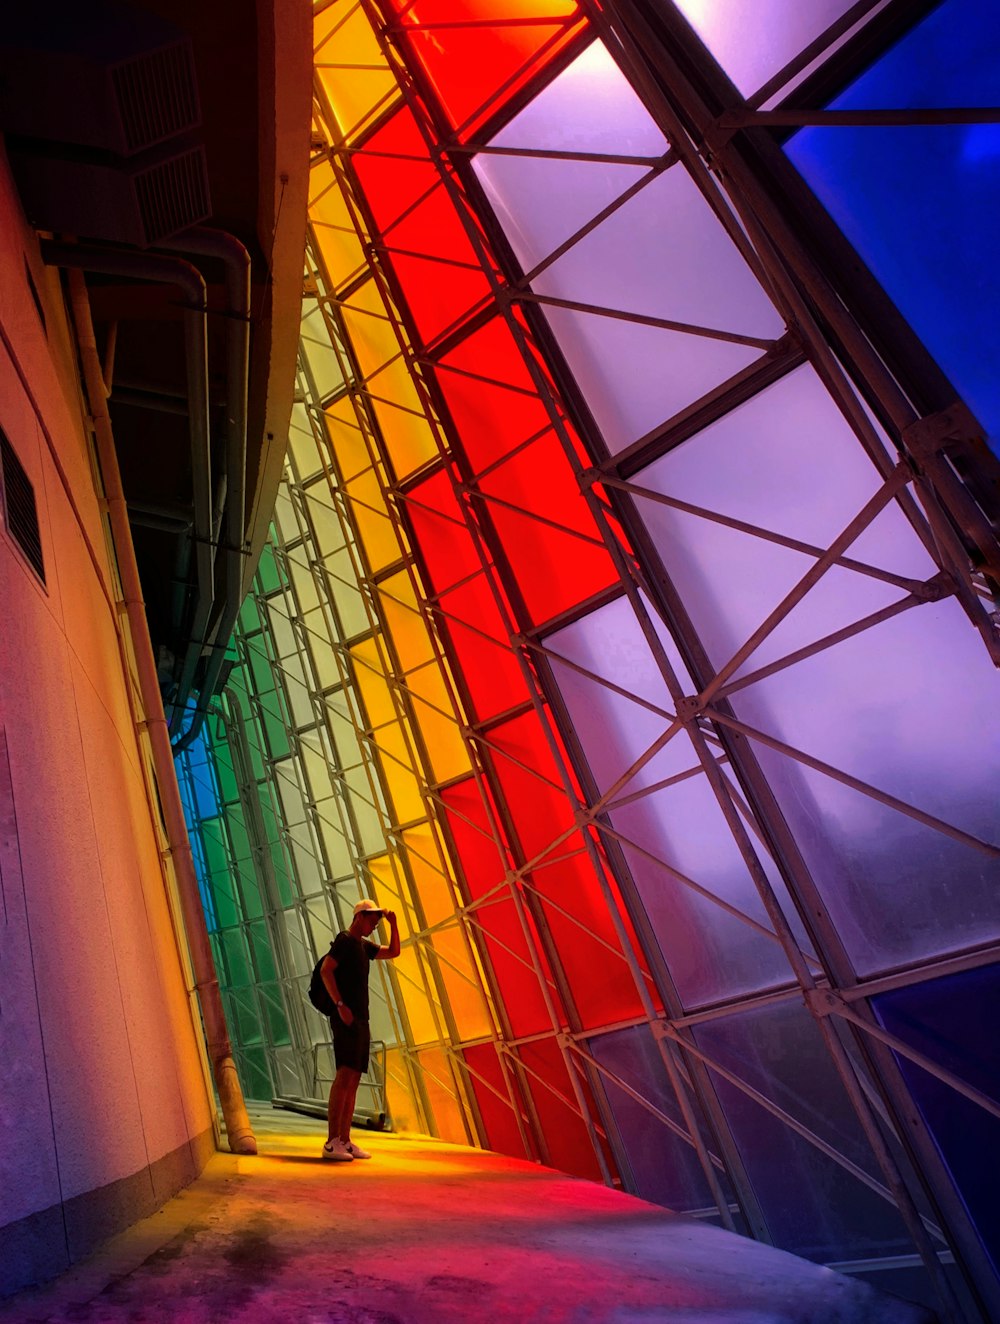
(409, 438)
(324, 518)
(302, 445)
(390, 737)
(350, 449)
(457, 967)
(407, 966)
(375, 528)
(353, 92)
(442, 1095)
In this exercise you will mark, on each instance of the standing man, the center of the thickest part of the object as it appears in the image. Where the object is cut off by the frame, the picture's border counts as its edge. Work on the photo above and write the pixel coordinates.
(345, 974)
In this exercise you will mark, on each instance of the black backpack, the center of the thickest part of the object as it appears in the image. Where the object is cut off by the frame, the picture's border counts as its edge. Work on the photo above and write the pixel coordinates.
(319, 994)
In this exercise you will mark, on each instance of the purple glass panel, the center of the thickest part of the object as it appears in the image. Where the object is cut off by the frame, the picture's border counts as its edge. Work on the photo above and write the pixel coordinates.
(754, 39)
(589, 108)
(663, 254)
(913, 708)
(787, 462)
(635, 377)
(664, 1167)
(710, 953)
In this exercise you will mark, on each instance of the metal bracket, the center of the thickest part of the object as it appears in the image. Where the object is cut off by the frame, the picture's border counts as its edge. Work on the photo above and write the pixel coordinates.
(824, 1002)
(927, 437)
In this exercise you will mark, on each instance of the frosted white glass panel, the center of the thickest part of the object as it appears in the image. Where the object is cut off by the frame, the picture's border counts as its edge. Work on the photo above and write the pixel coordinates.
(754, 39)
(812, 1206)
(711, 953)
(589, 108)
(785, 461)
(319, 353)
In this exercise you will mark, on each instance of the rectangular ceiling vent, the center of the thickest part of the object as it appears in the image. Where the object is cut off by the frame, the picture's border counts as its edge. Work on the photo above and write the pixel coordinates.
(19, 509)
(157, 96)
(173, 195)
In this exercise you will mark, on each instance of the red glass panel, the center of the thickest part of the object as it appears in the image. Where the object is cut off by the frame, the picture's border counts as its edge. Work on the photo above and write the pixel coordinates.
(495, 415)
(492, 674)
(490, 670)
(554, 569)
(503, 936)
(437, 292)
(446, 547)
(562, 1126)
(467, 65)
(502, 1132)
(574, 904)
(392, 184)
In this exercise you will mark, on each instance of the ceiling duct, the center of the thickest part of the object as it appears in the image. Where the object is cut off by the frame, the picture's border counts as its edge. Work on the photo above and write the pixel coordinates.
(98, 103)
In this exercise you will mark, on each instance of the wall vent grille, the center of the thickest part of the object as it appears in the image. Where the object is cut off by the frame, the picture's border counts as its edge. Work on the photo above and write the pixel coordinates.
(173, 195)
(19, 509)
(157, 95)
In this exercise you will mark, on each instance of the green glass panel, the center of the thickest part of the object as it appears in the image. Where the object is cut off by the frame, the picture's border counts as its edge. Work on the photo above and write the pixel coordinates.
(254, 1075)
(244, 861)
(274, 1015)
(262, 954)
(268, 574)
(236, 962)
(219, 872)
(249, 617)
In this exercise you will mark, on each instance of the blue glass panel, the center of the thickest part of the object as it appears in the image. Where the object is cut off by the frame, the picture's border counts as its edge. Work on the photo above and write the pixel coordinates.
(953, 1022)
(921, 204)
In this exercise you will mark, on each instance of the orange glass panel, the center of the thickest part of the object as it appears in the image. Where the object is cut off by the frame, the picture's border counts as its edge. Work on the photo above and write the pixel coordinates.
(442, 1095)
(432, 705)
(332, 227)
(351, 67)
(375, 528)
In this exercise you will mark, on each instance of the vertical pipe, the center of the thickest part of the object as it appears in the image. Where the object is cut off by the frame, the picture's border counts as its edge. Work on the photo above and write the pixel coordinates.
(238, 1129)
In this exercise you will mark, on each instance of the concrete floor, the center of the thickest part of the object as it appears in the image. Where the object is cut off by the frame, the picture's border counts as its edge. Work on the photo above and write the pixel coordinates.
(428, 1233)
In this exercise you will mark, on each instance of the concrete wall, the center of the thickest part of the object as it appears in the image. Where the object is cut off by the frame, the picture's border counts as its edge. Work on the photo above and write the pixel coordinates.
(104, 1109)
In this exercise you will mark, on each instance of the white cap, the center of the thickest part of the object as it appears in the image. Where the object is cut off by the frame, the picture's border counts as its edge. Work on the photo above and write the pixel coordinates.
(366, 905)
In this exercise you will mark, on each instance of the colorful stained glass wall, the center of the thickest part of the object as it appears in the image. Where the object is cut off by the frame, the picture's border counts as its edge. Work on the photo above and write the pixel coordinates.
(626, 623)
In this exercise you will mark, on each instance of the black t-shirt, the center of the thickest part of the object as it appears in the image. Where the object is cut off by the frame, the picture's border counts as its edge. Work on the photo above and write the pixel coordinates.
(353, 956)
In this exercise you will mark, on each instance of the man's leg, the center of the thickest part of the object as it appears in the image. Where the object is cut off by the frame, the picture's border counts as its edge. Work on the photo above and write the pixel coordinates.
(351, 1082)
(342, 1092)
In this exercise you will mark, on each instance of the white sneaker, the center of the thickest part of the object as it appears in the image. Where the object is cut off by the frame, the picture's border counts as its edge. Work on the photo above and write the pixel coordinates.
(338, 1152)
(356, 1151)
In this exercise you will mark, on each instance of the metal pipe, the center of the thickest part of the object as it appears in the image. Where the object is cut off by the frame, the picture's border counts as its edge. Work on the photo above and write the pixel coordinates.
(236, 260)
(241, 1137)
(173, 271)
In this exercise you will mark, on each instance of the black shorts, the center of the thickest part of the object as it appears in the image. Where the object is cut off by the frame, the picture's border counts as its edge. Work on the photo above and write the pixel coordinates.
(351, 1044)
